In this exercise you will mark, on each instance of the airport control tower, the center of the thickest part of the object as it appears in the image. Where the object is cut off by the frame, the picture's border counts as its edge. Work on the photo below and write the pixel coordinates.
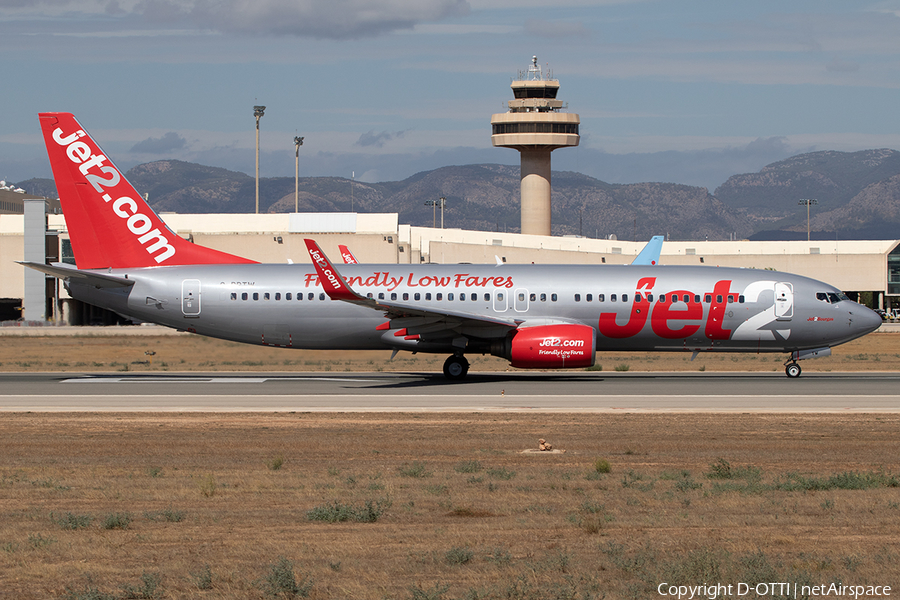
(535, 126)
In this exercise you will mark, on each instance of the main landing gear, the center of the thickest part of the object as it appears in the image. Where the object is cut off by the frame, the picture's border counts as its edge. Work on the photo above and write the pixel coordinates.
(792, 370)
(456, 367)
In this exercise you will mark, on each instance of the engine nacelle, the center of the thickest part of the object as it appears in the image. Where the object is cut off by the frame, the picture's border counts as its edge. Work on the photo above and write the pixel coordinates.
(563, 346)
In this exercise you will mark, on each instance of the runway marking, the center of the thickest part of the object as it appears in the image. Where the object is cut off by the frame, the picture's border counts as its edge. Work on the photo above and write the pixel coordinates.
(204, 379)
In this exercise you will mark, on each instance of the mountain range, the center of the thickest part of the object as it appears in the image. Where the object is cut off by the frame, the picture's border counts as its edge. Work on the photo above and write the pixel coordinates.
(856, 194)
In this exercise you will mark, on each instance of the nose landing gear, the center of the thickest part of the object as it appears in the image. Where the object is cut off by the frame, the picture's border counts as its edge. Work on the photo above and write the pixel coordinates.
(792, 370)
(456, 367)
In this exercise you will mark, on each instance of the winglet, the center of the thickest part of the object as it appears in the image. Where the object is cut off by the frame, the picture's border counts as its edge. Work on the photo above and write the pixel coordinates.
(650, 254)
(348, 257)
(331, 280)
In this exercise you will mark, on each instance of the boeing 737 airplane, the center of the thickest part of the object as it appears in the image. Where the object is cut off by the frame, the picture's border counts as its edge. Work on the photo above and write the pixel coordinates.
(535, 316)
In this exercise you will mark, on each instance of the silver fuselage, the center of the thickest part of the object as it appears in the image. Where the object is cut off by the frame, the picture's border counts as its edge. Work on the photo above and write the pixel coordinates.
(630, 307)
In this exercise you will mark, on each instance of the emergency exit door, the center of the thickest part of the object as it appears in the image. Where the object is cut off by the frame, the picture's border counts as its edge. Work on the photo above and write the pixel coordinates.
(190, 297)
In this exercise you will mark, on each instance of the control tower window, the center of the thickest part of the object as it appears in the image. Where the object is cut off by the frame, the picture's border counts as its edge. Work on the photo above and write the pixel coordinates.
(535, 92)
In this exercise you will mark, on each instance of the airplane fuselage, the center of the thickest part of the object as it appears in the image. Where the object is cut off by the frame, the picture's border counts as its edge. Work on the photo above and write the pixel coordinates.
(629, 307)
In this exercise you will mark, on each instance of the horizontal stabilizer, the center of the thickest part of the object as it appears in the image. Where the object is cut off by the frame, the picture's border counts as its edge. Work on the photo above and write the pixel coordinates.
(99, 280)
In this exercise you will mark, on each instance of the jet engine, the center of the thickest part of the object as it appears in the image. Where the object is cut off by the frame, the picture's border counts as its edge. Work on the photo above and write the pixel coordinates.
(562, 346)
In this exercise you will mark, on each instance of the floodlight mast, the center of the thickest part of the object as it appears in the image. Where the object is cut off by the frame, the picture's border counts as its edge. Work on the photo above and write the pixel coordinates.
(298, 141)
(807, 202)
(258, 112)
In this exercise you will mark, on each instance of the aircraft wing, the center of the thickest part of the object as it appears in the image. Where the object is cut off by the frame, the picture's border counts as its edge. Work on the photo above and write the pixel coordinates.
(650, 254)
(63, 271)
(415, 319)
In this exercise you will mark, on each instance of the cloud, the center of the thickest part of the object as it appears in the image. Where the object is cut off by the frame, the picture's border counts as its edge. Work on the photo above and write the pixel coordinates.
(328, 19)
(378, 139)
(556, 29)
(162, 145)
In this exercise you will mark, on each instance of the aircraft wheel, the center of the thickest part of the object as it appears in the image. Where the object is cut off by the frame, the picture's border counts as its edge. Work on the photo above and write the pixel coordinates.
(456, 367)
(793, 370)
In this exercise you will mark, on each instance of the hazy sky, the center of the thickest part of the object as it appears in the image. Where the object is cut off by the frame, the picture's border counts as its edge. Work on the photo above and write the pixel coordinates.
(689, 91)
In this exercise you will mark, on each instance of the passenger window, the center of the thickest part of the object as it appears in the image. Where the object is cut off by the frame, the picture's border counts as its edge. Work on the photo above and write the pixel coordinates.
(649, 297)
(440, 296)
(393, 295)
(553, 297)
(234, 295)
(697, 298)
(577, 297)
(256, 295)
(487, 297)
(741, 299)
(321, 296)
(589, 297)
(278, 295)
(532, 297)
(462, 297)
(265, 295)
(428, 296)
(662, 297)
(287, 296)
(381, 295)
(638, 298)
(522, 297)
(612, 297)
(730, 298)
(601, 297)
(499, 296)
(417, 296)
(543, 298)
(719, 298)
(406, 295)
(243, 295)
(450, 296)
(369, 295)
(708, 298)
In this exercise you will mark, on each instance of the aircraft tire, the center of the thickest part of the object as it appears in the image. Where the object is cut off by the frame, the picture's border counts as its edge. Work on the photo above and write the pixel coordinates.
(456, 367)
(793, 370)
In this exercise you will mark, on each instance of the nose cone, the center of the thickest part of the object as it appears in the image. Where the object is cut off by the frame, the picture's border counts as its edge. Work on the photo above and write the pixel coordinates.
(864, 320)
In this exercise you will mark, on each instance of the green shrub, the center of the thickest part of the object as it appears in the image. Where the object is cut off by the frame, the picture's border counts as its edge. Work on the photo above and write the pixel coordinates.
(117, 521)
(601, 465)
(459, 556)
(280, 581)
(414, 469)
(72, 521)
(501, 473)
(622, 367)
(468, 466)
(203, 578)
(148, 589)
(276, 463)
(337, 512)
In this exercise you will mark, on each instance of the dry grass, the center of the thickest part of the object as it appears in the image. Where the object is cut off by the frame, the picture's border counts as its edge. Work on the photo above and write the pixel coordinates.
(465, 514)
(875, 352)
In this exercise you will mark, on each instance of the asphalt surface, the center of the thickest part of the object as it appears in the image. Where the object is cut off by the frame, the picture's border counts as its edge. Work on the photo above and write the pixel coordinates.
(517, 391)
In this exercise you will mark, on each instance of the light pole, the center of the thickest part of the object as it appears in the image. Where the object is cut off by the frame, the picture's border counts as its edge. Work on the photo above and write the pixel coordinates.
(807, 202)
(434, 204)
(298, 141)
(258, 112)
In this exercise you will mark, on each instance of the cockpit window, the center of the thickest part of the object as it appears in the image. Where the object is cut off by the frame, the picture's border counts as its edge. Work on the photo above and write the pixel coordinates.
(822, 296)
(834, 298)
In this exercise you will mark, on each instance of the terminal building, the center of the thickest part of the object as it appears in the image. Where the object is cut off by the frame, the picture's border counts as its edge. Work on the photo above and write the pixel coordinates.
(869, 270)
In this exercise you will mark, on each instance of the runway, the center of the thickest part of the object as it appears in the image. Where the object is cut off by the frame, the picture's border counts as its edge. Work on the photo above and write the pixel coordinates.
(388, 392)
